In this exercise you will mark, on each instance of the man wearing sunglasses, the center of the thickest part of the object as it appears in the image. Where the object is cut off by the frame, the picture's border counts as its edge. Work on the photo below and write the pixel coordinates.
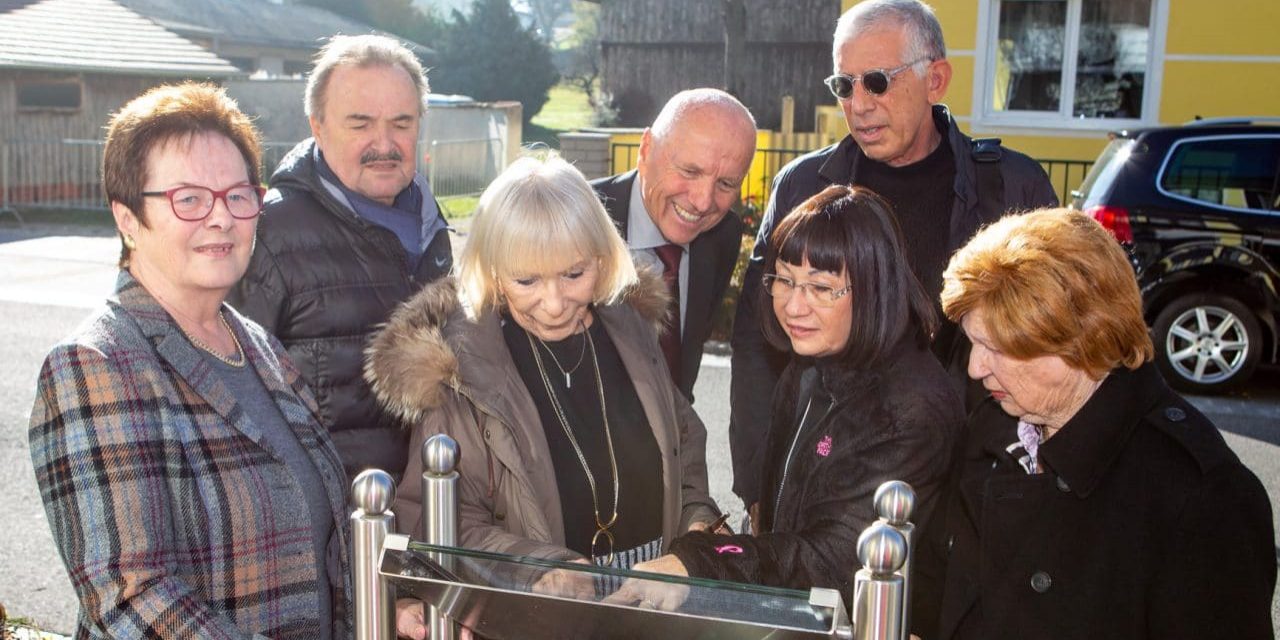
(891, 72)
(349, 230)
(673, 210)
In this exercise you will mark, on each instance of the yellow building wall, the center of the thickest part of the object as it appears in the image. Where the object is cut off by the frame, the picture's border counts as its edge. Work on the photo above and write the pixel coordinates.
(1215, 89)
(1224, 27)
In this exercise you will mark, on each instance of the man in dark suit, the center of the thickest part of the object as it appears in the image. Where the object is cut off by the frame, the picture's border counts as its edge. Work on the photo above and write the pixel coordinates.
(673, 212)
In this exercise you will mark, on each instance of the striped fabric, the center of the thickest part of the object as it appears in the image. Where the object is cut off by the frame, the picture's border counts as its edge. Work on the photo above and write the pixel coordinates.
(624, 559)
(172, 518)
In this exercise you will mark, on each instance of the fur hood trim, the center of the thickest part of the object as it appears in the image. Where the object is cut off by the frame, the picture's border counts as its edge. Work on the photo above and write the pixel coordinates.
(410, 363)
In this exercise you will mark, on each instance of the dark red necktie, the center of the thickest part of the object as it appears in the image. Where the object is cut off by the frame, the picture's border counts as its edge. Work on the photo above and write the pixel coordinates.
(670, 255)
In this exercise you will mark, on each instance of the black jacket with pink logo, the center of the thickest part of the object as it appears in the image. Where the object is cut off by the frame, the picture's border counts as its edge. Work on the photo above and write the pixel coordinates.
(895, 421)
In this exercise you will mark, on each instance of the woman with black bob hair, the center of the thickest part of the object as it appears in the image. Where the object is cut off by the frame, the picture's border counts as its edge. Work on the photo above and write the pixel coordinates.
(861, 402)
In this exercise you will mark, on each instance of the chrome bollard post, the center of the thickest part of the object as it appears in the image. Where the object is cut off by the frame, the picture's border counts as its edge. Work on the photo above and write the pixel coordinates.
(895, 502)
(440, 455)
(877, 591)
(372, 492)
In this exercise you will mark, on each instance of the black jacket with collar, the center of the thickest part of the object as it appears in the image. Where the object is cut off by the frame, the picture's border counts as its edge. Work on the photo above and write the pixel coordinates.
(895, 421)
(1143, 525)
(321, 279)
(756, 365)
(712, 256)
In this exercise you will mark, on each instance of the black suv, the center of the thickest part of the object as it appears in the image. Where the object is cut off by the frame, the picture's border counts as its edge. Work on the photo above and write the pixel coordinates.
(1198, 208)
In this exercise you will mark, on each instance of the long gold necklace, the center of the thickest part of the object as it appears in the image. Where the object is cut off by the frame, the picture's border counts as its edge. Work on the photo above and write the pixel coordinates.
(239, 357)
(568, 380)
(602, 528)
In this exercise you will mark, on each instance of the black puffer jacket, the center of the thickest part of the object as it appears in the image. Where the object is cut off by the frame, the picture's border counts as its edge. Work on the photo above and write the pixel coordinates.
(321, 279)
(893, 422)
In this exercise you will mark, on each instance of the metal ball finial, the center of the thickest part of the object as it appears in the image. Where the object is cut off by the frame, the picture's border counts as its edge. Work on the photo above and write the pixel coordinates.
(440, 455)
(373, 491)
(895, 501)
(881, 548)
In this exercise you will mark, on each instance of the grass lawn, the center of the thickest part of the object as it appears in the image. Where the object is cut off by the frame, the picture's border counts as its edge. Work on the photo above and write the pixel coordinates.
(566, 109)
(457, 207)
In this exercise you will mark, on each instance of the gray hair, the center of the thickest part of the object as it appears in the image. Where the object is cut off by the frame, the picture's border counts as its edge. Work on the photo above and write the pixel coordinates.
(924, 33)
(361, 51)
(691, 100)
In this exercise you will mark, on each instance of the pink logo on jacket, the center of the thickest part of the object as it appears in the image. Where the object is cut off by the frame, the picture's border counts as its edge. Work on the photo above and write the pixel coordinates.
(824, 446)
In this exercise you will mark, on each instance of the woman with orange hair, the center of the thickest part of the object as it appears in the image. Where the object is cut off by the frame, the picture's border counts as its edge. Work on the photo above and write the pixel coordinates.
(1087, 499)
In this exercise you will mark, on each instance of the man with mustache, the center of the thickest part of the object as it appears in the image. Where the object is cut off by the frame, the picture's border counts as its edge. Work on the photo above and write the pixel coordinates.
(673, 212)
(891, 72)
(349, 230)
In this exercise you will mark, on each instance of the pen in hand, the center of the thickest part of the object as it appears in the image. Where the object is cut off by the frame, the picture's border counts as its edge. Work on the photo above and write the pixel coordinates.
(721, 523)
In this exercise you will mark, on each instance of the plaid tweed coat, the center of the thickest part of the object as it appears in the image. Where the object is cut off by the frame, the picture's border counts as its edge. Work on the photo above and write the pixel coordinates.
(172, 516)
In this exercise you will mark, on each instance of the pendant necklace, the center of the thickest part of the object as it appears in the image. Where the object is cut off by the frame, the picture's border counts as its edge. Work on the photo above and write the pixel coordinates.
(602, 527)
(568, 379)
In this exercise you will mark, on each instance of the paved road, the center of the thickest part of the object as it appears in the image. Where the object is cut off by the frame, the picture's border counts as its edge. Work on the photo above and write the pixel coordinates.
(49, 277)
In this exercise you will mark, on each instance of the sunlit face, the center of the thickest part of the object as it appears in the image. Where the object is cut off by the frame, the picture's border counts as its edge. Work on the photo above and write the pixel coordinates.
(552, 305)
(895, 128)
(814, 330)
(178, 258)
(692, 175)
(369, 132)
(1040, 390)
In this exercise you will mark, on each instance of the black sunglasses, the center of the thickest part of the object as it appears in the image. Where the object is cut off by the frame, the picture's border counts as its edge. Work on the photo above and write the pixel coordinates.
(875, 81)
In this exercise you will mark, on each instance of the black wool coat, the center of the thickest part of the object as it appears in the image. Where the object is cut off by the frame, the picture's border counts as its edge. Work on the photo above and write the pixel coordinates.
(896, 421)
(1143, 525)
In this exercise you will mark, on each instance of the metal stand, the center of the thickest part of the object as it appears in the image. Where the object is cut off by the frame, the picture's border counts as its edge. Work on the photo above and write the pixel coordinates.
(373, 492)
(440, 457)
(878, 595)
(895, 502)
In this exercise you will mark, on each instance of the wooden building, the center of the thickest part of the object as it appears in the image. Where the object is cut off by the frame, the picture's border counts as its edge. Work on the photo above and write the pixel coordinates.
(652, 49)
(62, 75)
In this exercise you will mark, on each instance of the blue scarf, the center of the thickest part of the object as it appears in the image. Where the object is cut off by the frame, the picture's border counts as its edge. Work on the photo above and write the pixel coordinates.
(413, 223)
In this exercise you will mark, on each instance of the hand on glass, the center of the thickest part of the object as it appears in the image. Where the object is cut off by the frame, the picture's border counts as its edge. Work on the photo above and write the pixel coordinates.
(579, 585)
(651, 594)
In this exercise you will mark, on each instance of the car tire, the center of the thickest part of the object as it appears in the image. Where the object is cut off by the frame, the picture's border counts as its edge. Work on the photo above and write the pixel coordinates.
(1206, 343)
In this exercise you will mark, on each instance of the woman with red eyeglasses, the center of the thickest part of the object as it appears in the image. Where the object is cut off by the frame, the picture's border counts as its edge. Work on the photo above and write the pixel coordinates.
(190, 487)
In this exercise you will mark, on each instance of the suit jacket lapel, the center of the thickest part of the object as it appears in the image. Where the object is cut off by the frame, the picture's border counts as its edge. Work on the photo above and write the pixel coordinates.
(616, 195)
(702, 264)
(176, 351)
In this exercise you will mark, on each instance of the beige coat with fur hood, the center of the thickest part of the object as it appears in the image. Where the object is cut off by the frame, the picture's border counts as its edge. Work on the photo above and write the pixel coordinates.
(447, 373)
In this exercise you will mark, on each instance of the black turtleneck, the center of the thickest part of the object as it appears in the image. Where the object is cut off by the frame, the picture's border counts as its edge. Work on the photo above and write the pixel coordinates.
(921, 195)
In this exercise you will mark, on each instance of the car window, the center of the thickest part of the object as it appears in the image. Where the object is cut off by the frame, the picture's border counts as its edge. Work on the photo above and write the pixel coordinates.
(1103, 172)
(1236, 172)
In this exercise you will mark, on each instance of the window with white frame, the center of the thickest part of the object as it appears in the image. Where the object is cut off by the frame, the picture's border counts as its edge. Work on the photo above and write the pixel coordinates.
(1057, 60)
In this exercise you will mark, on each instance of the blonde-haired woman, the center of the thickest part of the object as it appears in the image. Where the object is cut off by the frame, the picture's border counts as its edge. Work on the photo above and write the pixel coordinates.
(542, 361)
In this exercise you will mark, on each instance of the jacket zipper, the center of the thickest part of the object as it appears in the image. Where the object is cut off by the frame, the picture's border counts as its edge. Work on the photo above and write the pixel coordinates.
(786, 465)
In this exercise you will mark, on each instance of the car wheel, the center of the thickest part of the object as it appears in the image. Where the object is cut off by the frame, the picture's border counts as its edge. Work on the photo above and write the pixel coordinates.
(1207, 343)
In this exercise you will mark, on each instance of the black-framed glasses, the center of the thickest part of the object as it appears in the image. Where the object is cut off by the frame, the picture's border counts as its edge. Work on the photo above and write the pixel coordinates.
(816, 293)
(193, 202)
(875, 81)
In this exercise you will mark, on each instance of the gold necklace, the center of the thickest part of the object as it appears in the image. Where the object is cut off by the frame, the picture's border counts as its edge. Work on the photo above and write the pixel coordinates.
(602, 528)
(568, 380)
(239, 359)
